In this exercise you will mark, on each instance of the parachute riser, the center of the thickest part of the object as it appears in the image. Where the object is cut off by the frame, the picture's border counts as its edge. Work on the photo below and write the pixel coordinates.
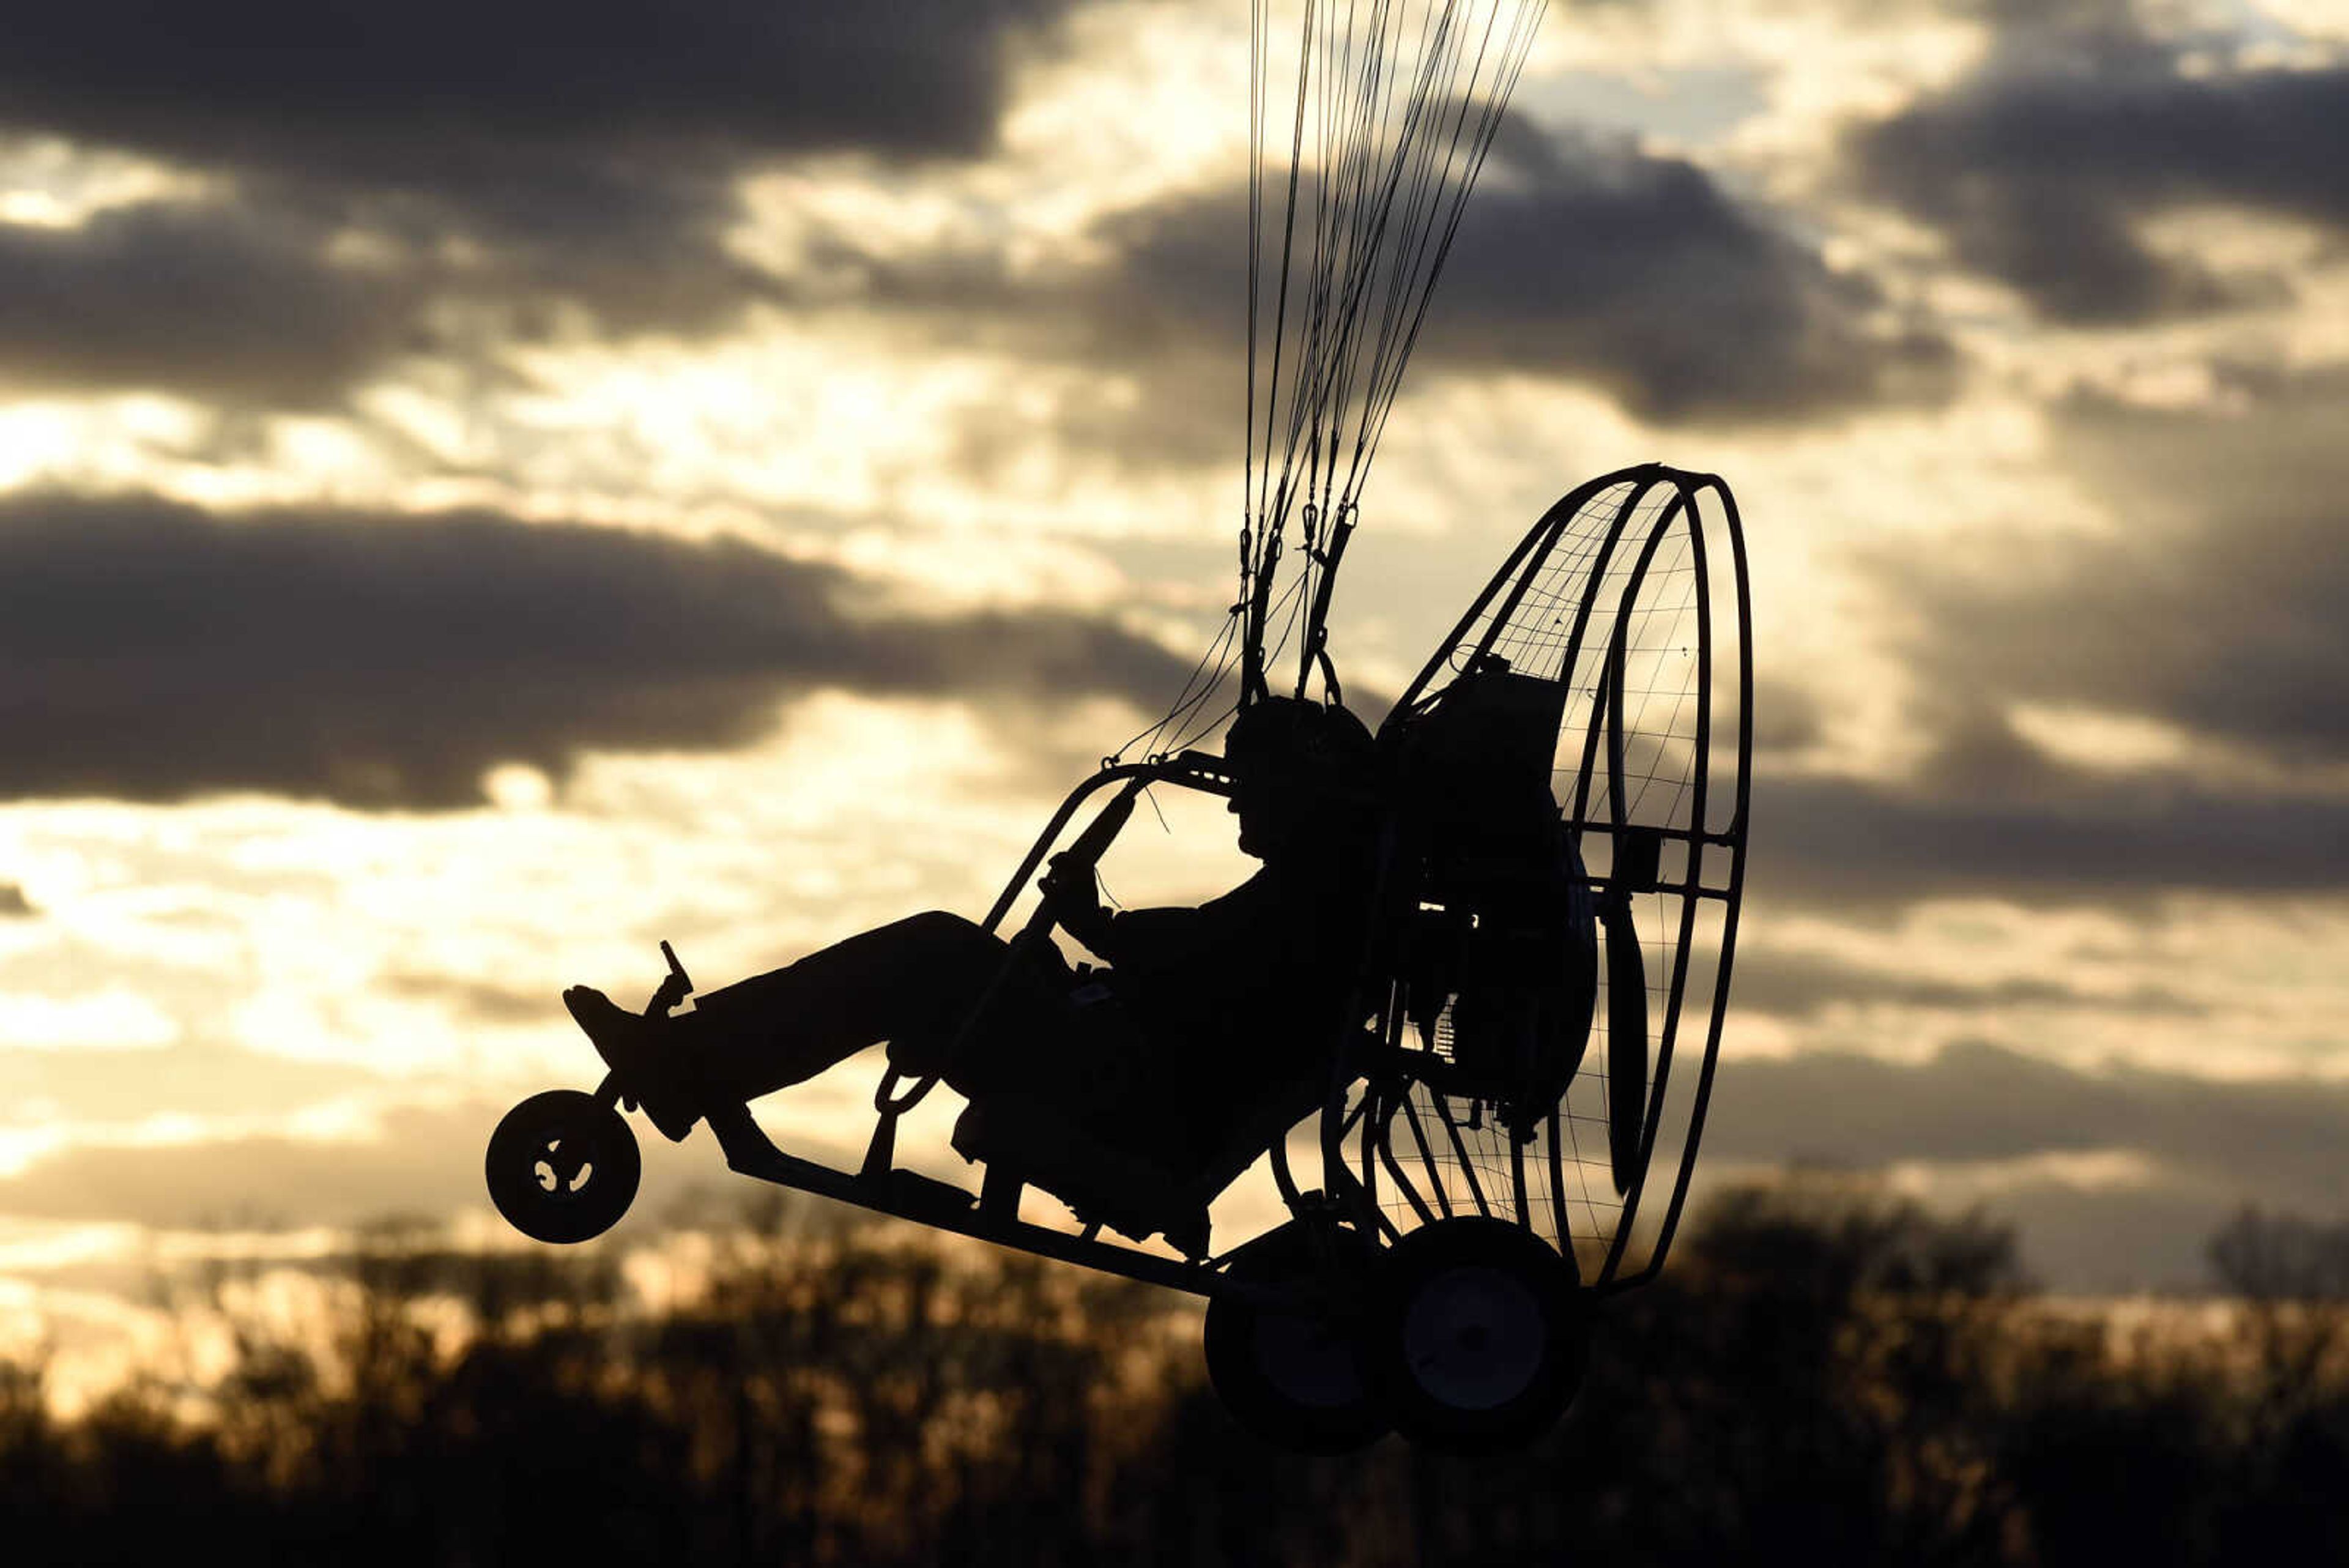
(1316, 650)
(1260, 610)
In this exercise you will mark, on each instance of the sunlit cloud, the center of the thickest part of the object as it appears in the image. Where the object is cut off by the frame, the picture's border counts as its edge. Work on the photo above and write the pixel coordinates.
(50, 181)
(115, 1019)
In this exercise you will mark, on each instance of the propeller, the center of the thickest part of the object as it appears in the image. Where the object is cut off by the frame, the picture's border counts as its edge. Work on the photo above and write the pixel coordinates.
(1627, 1036)
(1636, 856)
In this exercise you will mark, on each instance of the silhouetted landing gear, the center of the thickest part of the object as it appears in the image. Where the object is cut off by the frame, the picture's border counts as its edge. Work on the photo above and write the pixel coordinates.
(1479, 1338)
(1468, 1337)
(1284, 1340)
(562, 1165)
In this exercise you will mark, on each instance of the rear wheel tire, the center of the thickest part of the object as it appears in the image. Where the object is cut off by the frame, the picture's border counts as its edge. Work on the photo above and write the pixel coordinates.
(1294, 1374)
(562, 1167)
(1480, 1338)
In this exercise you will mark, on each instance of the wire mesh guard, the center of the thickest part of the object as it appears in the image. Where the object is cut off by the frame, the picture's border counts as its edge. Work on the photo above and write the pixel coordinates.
(1632, 594)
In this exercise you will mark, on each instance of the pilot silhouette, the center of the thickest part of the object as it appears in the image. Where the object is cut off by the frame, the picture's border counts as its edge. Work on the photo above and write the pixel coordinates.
(1197, 1010)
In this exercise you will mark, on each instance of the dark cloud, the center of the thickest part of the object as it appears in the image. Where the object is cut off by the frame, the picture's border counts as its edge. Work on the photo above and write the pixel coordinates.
(1795, 984)
(151, 652)
(2043, 169)
(2211, 1144)
(1579, 259)
(2050, 834)
(2149, 1233)
(14, 905)
(2121, 1240)
(2211, 607)
(234, 304)
(1597, 261)
(560, 169)
(2215, 606)
(1788, 715)
(510, 158)
(282, 295)
(393, 95)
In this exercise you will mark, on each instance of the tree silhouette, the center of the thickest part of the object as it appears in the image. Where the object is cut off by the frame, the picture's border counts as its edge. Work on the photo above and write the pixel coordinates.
(1828, 1372)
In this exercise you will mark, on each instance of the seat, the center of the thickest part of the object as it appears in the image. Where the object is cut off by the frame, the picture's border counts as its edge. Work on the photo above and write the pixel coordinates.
(1077, 1157)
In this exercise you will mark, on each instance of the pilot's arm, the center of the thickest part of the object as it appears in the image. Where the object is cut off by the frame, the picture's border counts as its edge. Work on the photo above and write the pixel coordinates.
(1143, 941)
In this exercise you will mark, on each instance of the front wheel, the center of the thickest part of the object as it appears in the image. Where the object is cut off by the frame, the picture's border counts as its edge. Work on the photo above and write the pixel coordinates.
(1480, 1336)
(562, 1167)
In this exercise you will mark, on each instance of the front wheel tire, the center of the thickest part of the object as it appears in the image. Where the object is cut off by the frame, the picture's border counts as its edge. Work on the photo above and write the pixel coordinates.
(562, 1167)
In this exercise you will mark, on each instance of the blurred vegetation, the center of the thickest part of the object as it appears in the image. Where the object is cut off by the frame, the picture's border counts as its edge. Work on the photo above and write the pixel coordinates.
(1826, 1375)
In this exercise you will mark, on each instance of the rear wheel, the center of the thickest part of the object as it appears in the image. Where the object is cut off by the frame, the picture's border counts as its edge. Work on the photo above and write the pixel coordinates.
(562, 1167)
(1291, 1369)
(1480, 1336)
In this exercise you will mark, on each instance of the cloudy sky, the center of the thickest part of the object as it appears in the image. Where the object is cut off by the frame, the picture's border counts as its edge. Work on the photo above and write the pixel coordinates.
(484, 488)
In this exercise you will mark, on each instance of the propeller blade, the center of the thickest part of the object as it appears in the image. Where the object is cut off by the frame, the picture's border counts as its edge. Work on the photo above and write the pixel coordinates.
(1626, 1040)
(1627, 970)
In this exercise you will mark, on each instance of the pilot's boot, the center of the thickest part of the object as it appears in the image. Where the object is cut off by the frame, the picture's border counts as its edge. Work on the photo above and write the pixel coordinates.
(643, 1052)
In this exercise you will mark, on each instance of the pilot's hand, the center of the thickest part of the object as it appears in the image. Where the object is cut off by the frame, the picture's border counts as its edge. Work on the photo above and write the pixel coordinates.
(1074, 899)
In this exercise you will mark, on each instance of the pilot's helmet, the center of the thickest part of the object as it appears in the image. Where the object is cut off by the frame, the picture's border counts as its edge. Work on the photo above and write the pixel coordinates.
(1309, 743)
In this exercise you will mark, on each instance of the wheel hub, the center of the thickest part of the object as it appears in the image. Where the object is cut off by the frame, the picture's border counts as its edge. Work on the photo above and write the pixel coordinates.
(1474, 1337)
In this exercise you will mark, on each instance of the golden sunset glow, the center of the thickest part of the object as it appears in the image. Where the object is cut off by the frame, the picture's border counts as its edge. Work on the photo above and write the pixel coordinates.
(682, 532)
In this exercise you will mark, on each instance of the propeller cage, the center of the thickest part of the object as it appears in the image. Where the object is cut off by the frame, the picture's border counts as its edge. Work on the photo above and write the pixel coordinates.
(1568, 780)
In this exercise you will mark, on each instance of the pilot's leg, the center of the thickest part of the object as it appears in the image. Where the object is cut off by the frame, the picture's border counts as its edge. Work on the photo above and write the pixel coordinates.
(913, 982)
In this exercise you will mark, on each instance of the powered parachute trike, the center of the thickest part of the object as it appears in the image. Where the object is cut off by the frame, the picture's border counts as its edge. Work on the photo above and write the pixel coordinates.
(1498, 1131)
